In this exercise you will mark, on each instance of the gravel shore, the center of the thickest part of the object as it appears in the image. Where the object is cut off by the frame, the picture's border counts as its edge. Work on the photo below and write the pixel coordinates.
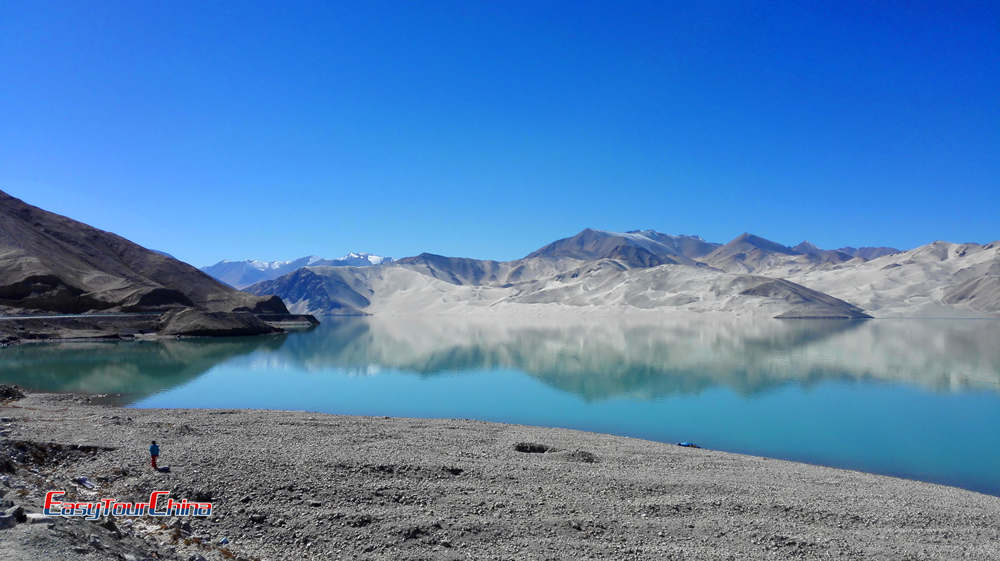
(297, 485)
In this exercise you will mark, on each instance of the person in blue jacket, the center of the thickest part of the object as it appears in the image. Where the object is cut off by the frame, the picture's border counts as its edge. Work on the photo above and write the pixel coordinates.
(154, 451)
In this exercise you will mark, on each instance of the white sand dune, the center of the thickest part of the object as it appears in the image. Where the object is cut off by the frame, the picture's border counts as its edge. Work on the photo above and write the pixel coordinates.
(598, 287)
(937, 279)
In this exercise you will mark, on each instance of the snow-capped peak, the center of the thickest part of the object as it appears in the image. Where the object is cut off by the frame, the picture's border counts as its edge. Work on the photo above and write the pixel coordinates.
(266, 265)
(363, 256)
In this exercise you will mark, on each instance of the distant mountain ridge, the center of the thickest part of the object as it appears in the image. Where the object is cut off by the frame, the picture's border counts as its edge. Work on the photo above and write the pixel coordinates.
(614, 272)
(242, 274)
(594, 269)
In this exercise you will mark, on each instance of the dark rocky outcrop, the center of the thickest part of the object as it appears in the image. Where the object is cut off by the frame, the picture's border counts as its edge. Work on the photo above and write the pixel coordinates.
(327, 289)
(191, 322)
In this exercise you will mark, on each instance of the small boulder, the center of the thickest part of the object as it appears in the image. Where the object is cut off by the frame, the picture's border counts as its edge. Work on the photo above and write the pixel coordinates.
(532, 448)
(10, 392)
(12, 517)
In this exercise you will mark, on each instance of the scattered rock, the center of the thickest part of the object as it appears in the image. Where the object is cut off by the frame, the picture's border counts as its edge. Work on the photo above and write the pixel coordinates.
(110, 525)
(186, 429)
(532, 448)
(182, 526)
(10, 392)
(17, 513)
(582, 456)
(7, 521)
(359, 521)
(414, 532)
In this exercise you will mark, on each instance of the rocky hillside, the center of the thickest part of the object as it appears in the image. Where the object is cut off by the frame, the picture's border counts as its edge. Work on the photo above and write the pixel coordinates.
(50, 263)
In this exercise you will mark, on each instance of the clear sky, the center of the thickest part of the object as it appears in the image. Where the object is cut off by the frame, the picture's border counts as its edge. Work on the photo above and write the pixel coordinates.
(486, 129)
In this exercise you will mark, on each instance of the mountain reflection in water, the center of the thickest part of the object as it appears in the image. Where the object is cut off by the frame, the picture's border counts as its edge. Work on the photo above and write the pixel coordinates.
(134, 369)
(605, 359)
(595, 359)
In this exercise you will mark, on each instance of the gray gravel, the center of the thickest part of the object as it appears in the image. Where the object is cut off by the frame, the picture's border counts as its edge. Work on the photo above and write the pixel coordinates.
(295, 485)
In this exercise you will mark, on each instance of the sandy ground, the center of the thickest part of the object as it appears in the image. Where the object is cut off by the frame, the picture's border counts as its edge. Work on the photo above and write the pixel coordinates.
(295, 485)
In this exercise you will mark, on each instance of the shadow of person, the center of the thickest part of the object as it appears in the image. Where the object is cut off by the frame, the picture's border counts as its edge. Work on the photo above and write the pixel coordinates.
(163, 469)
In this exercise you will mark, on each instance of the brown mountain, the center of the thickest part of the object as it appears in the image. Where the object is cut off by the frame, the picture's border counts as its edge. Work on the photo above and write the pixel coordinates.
(53, 264)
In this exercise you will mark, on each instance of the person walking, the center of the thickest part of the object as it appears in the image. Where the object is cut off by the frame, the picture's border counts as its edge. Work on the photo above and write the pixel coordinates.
(154, 451)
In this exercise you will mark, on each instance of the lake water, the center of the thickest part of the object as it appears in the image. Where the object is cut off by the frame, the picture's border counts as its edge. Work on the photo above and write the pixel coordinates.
(914, 398)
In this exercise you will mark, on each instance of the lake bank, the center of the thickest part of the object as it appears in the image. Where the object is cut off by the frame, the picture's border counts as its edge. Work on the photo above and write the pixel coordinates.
(16, 330)
(307, 485)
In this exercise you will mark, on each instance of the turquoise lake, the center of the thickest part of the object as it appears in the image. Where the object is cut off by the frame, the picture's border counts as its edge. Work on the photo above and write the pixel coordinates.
(912, 398)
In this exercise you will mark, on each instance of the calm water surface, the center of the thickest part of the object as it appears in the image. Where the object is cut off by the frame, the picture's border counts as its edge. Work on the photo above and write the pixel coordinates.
(914, 398)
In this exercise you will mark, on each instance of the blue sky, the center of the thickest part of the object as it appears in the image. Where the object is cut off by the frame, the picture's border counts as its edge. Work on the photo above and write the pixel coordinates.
(274, 130)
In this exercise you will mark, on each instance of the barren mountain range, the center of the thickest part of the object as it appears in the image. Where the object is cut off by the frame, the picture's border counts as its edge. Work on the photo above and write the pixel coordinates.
(50, 263)
(639, 271)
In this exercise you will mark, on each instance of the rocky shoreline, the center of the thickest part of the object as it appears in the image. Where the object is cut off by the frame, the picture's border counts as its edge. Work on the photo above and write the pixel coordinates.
(186, 322)
(298, 485)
